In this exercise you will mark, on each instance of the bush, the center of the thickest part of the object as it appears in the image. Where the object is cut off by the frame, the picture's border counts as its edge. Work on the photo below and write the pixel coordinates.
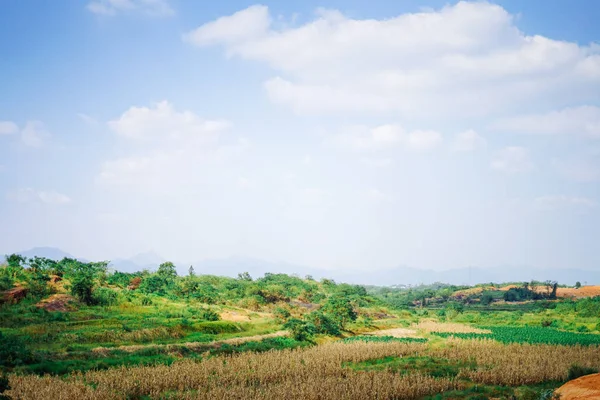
(576, 371)
(13, 351)
(582, 329)
(546, 323)
(105, 296)
(4, 386)
(218, 327)
(208, 315)
(282, 314)
(300, 330)
(487, 299)
(323, 323)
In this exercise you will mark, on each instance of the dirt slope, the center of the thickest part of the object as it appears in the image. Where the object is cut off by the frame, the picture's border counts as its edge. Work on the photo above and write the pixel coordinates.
(584, 388)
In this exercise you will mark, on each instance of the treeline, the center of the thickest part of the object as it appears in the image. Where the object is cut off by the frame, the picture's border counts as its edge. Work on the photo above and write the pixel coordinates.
(93, 284)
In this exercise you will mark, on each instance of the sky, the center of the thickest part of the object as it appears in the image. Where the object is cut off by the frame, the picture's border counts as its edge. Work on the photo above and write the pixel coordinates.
(333, 134)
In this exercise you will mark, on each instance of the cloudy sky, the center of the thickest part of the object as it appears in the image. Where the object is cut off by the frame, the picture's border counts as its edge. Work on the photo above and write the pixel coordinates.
(333, 134)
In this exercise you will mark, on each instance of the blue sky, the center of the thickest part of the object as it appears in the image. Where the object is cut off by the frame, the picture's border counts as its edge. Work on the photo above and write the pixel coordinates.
(330, 134)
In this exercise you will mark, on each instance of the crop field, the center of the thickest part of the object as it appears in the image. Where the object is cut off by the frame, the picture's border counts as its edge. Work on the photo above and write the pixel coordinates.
(161, 336)
(381, 369)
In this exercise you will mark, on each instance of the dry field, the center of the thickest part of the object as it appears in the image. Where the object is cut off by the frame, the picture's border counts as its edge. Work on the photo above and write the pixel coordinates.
(447, 327)
(582, 292)
(314, 373)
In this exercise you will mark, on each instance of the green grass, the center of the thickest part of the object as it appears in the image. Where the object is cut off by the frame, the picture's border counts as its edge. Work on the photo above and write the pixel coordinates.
(375, 339)
(529, 334)
(84, 361)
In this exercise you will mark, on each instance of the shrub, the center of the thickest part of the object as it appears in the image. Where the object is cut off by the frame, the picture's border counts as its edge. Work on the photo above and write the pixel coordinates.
(208, 315)
(546, 323)
(300, 330)
(13, 351)
(105, 296)
(218, 327)
(282, 314)
(582, 329)
(4, 386)
(323, 323)
(487, 299)
(576, 371)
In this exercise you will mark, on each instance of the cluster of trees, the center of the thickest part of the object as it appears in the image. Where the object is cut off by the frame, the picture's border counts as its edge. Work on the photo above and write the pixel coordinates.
(35, 274)
(93, 284)
(529, 292)
(331, 318)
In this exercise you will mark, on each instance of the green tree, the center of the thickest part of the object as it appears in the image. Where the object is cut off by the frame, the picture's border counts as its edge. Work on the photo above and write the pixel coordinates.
(300, 330)
(244, 276)
(167, 271)
(82, 283)
(577, 285)
(340, 309)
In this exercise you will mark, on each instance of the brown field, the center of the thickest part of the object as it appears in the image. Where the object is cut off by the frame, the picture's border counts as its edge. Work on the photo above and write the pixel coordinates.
(450, 327)
(584, 388)
(584, 291)
(394, 332)
(314, 373)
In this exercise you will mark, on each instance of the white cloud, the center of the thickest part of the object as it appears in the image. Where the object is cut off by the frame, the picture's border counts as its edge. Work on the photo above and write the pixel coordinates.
(34, 134)
(512, 160)
(360, 138)
(156, 8)
(8, 128)
(162, 147)
(29, 195)
(251, 23)
(423, 140)
(582, 121)
(436, 63)
(163, 123)
(561, 201)
(467, 141)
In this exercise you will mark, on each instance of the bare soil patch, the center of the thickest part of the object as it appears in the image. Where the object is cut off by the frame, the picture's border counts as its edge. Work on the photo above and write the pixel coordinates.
(58, 302)
(584, 388)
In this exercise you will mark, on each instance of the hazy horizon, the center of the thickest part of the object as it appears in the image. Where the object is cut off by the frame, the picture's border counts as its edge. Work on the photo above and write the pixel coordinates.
(332, 135)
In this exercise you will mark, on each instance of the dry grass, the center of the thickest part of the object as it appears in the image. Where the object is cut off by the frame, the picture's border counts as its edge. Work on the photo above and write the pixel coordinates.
(449, 327)
(314, 373)
(394, 332)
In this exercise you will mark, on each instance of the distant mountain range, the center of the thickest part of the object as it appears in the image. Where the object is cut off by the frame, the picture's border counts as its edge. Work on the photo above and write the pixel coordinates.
(232, 266)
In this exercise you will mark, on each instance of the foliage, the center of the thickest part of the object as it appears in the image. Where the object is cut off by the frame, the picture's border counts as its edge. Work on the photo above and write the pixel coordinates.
(576, 371)
(323, 323)
(208, 315)
(300, 330)
(13, 351)
(339, 309)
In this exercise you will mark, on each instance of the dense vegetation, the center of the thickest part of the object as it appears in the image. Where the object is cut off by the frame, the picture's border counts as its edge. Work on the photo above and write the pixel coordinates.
(65, 317)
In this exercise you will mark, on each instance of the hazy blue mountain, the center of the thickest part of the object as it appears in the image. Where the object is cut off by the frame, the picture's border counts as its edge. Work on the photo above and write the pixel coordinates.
(147, 258)
(401, 275)
(52, 253)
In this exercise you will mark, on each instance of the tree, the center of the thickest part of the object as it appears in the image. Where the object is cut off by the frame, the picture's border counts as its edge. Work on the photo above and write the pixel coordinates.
(577, 285)
(300, 330)
(82, 283)
(15, 260)
(167, 271)
(191, 271)
(244, 276)
(340, 310)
